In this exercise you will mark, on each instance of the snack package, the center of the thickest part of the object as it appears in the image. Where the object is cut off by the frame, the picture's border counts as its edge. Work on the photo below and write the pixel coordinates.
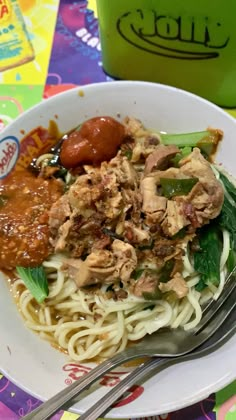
(15, 46)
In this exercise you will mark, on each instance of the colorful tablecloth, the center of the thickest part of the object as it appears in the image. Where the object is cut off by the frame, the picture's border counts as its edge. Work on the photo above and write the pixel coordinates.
(65, 40)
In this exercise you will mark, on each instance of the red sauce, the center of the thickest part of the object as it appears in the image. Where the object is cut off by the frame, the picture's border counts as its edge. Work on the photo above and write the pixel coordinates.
(24, 232)
(97, 140)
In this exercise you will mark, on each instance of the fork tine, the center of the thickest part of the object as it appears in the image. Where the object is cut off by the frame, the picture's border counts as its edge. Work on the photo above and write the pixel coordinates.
(214, 306)
(140, 373)
(227, 282)
(216, 321)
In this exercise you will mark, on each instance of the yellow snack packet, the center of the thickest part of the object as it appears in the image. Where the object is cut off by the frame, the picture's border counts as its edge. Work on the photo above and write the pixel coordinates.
(15, 46)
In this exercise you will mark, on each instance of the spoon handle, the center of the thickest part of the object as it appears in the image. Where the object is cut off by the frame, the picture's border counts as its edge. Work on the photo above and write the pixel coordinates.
(54, 404)
(101, 406)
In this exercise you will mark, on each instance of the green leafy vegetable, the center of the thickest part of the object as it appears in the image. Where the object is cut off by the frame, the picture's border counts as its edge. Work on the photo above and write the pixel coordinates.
(201, 285)
(207, 147)
(156, 294)
(128, 154)
(227, 218)
(163, 276)
(230, 188)
(205, 140)
(231, 261)
(184, 152)
(35, 280)
(207, 260)
(180, 234)
(166, 270)
(137, 273)
(185, 139)
(174, 186)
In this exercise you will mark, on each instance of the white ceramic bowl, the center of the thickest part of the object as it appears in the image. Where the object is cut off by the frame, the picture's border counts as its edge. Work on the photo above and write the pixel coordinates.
(30, 362)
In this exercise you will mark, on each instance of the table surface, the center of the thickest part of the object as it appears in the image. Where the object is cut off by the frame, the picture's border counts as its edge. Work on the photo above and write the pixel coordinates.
(55, 27)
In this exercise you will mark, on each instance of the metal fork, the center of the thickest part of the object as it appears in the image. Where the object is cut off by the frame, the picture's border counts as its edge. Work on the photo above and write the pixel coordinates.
(163, 344)
(154, 365)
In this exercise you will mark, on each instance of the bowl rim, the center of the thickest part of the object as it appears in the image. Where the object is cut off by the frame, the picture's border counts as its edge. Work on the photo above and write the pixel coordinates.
(115, 84)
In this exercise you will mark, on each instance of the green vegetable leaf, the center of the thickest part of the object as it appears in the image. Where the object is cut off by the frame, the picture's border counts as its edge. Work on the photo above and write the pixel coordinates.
(174, 186)
(184, 139)
(227, 220)
(166, 270)
(180, 234)
(201, 285)
(231, 261)
(207, 260)
(156, 294)
(227, 217)
(206, 140)
(184, 152)
(128, 154)
(35, 280)
(136, 274)
(228, 186)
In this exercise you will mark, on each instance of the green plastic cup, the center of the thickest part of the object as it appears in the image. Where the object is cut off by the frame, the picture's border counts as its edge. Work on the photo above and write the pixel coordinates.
(184, 43)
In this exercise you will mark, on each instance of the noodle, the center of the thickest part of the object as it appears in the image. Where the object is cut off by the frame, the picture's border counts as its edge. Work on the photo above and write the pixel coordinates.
(193, 298)
(116, 322)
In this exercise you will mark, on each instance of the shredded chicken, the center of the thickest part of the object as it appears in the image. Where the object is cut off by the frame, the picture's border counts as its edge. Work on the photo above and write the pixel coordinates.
(135, 234)
(104, 266)
(177, 284)
(97, 267)
(63, 232)
(152, 202)
(115, 219)
(124, 171)
(175, 218)
(59, 212)
(207, 195)
(97, 195)
(203, 203)
(126, 259)
(145, 284)
(145, 142)
(71, 266)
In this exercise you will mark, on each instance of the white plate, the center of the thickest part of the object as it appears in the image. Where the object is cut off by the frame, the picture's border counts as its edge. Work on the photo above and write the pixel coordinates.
(41, 370)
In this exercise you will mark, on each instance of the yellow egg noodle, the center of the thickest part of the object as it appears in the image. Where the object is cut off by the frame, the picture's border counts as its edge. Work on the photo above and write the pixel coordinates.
(76, 331)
